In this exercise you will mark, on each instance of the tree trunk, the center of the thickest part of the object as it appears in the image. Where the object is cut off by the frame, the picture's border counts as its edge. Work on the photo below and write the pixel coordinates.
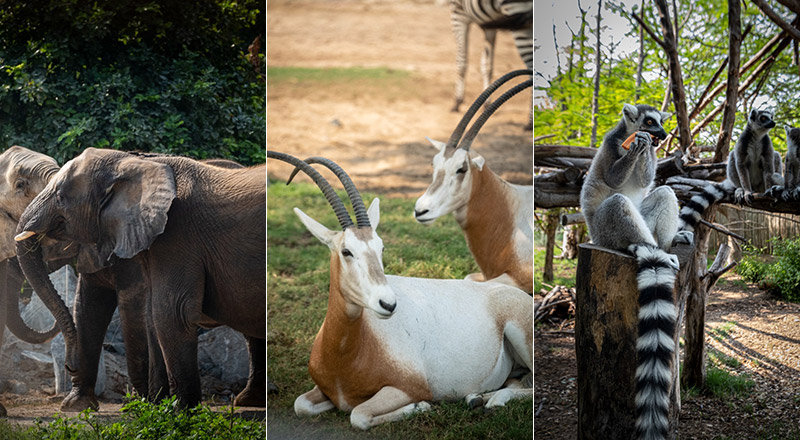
(676, 78)
(641, 58)
(597, 62)
(551, 220)
(605, 344)
(732, 90)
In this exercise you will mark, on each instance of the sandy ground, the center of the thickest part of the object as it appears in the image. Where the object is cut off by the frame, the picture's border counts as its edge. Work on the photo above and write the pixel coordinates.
(378, 134)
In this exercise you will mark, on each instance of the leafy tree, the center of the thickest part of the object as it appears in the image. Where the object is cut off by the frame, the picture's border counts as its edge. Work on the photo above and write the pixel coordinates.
(168, 76)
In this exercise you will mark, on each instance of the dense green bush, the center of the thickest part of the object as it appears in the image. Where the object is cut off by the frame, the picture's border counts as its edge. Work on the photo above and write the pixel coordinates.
(169, 76)
(145, 421)
(782, 276)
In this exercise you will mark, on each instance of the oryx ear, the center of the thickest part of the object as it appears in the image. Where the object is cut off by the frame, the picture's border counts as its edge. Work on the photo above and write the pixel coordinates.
(478, 161)
(630, 112)
(374, 213)
(317, 229)
(436, 144)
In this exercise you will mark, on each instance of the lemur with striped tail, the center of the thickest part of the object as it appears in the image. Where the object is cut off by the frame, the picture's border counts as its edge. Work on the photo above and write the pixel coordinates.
(791, 165)
(753, 167)
(623, 213)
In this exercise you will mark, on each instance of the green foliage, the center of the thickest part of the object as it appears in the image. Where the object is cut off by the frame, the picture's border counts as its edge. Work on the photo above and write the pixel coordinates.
(142, 420)
(781, 276)
(133, 76)
(721, 383)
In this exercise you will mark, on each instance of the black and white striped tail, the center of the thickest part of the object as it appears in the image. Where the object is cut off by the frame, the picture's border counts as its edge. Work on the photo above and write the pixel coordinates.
(693, 210)
(655, 345)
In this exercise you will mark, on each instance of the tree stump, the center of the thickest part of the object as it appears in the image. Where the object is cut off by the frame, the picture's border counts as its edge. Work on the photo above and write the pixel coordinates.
(605, 344)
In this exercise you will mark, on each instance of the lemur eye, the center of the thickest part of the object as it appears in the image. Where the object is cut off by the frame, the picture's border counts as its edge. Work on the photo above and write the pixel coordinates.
(649, 122)
(763, 119)
(463, 169)
(346, 253)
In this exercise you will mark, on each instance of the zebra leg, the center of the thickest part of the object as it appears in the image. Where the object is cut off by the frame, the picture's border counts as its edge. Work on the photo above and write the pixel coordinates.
(523, 40)
(487, 58)
(461, 32)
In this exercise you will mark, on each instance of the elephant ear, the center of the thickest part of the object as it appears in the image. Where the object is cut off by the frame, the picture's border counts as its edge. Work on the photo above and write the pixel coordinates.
(89, 259)
(134, 208)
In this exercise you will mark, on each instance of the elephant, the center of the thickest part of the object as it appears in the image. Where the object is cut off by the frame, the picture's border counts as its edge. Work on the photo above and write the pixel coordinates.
(102, 287)
(198, 230)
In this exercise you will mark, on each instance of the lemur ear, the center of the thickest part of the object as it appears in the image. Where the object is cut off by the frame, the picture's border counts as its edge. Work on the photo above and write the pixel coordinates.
(664, 116)
(630, 111)
(753, 114)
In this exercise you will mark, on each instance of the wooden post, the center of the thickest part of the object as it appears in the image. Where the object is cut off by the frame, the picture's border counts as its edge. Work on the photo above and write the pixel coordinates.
(605, 344)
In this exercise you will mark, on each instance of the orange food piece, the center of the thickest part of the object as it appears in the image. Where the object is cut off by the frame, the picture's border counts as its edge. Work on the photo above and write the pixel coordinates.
(627, 143)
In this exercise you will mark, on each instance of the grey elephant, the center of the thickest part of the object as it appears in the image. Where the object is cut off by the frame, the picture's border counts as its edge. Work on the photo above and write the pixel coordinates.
(198, 230)
(102, 287)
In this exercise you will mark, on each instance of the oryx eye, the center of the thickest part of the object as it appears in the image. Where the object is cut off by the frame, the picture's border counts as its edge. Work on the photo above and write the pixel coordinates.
(346, 253)
(463, 169)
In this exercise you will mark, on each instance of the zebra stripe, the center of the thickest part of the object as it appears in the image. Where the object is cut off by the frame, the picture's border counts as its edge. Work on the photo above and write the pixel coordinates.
(655, 346)
(490, 15)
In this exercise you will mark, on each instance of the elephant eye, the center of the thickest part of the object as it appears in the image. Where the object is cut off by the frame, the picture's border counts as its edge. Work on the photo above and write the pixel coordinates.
(19, 184)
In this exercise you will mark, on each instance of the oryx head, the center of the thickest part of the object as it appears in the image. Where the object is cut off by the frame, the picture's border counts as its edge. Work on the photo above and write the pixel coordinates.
(454, 164)
(356, 251)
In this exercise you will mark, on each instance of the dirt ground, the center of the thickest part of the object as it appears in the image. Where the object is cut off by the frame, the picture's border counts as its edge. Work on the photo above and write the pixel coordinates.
(377, 134)
(758, 330)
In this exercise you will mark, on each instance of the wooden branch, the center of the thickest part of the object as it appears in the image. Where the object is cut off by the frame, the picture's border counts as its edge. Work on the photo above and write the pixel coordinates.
(775, 18)
(676, 78)
(723, 230)
(572, 219)
(649, 31)
(546, 151)
(732, 89)
(542, 137)
(793, 5)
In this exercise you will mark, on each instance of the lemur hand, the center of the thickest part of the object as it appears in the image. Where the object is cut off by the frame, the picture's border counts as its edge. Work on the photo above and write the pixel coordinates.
(640, 144)
(743, 196)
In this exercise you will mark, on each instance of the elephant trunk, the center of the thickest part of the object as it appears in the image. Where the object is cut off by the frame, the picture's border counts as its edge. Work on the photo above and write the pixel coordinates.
(29, 254)
(14, 321)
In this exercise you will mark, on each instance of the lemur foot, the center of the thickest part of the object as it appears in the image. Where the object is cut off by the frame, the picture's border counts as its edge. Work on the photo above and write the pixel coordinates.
(743, 196)
(775, 192)
(683, 237)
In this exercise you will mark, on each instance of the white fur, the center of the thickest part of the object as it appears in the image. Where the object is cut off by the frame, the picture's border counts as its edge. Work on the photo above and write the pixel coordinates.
(658, 308)
(653, 277)
(653, 339)
(445, 331)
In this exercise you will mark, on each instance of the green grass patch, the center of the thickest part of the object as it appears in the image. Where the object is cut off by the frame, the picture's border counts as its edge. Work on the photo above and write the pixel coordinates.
(719, 358)
(563, 271)
(723, 331)
(297, 297)
(143, 421)
(723, 384)
(331, 74)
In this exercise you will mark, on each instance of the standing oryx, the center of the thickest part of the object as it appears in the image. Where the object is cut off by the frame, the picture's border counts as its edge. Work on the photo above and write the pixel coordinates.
(496, 216)
(390, 343)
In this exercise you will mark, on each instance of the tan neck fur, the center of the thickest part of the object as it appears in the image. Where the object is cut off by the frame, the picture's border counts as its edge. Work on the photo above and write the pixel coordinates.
(489, 227)
(348, 363)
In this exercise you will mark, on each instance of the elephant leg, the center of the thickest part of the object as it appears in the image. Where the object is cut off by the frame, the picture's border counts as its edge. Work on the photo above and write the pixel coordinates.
(255, 393)
(94, 307)
(132, 313)
(158, 383)
(177, 336)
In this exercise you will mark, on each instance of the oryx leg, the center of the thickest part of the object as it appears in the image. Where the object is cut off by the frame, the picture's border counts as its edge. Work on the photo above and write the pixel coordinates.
(312, 403)
(387, 405)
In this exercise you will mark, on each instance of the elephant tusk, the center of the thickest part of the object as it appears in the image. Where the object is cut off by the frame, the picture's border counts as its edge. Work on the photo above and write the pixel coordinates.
(24, 235)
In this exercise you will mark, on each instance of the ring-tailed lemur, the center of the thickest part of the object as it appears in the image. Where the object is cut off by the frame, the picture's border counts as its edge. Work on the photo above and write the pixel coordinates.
(753, 167)
(622, 213)
(491, 15)
(791, 164)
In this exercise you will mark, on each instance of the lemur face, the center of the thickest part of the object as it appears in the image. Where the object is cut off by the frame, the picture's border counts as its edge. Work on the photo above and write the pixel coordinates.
(792, 137)
(761, 120)
(645, 118)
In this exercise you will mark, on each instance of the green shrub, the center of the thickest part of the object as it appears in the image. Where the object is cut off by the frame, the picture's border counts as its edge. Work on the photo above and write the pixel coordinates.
(145, 421)
(781, 276)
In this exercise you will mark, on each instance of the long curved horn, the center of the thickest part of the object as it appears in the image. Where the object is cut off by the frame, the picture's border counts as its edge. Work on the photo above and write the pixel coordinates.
(360, 211)
(476, 127)
(336, 203)
(462, 125)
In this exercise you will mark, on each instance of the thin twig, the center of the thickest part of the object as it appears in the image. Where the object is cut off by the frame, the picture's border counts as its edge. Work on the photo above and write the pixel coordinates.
(723, 230)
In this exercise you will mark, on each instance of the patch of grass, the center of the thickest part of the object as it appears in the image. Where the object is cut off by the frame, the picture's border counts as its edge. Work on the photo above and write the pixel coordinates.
(142, 420)
(719, 358)
(563, 271)
(723, 331)
(328, 74)
(723, 384)
(297, 296)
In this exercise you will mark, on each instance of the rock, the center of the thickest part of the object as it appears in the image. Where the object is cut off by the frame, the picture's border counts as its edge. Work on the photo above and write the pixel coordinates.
(17, 387)
(222, 353)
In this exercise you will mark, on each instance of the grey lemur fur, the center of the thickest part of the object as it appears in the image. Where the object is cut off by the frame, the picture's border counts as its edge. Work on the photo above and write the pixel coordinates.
(623, 213)
(791, 164)
(753, 167)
